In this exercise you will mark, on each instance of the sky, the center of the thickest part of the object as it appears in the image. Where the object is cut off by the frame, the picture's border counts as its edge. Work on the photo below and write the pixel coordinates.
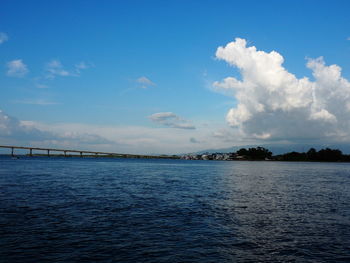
(169, 77)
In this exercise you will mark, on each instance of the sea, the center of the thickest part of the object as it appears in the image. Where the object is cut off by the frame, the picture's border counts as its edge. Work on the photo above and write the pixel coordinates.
(136, 210)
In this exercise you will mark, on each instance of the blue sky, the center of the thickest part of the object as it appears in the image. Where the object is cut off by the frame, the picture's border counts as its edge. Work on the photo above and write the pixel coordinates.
(80, 65)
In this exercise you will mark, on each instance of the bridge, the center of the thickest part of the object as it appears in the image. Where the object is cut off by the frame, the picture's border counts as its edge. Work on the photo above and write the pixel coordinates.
(47, 152)
(64, 151)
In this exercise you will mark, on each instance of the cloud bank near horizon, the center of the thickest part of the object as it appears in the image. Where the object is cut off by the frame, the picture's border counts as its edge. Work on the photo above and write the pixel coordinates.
(109, 138)
(273, 104)
(25, 133)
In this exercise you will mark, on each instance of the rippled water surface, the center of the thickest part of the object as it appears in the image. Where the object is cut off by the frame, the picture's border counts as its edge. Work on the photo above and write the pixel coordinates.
(99, 210)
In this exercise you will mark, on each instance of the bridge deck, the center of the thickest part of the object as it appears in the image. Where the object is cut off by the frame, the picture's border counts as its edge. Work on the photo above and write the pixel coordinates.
(55, 150)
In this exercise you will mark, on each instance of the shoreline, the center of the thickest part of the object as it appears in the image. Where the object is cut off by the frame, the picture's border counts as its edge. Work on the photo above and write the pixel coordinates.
(134, 156)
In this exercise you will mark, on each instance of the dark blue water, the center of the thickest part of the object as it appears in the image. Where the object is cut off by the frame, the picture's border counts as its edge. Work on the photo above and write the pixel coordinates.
(98, 210)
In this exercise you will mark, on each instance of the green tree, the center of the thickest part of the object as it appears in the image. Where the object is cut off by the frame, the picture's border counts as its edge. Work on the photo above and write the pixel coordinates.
(312, 154)
(242, 152)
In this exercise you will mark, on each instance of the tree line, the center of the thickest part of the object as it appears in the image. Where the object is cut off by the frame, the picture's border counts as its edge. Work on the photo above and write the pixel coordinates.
(323, 155)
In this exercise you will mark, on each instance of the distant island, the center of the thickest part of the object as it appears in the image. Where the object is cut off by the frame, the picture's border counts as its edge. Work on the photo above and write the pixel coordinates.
(261, 153)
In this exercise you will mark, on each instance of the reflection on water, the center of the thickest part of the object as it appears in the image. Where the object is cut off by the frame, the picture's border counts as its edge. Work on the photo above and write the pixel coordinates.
(98, 210)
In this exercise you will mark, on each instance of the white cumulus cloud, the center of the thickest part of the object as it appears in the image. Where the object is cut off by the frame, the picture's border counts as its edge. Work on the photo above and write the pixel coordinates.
(171, 120)
(3, 37)
(16, 68)
(273, 104)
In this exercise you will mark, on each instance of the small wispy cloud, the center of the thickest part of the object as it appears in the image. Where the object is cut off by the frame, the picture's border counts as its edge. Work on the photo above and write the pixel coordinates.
(42, 86)
(145, 82)
(3, 37)
(40, 102)
(16, 68)
(81, 66)
(171, 120)
(55, 68)
(348, 38)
